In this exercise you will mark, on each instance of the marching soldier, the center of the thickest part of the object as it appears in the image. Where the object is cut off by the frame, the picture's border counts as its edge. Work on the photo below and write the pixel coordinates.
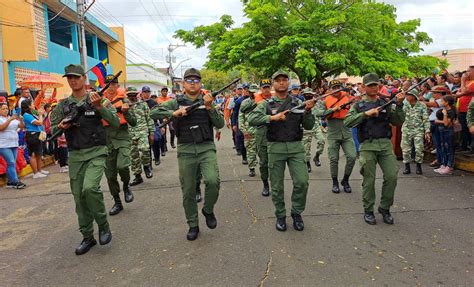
(320, 139)
(308, 134)
(249, 132)
(141, 135)
(196, 149)
(284, 134)
(339, 136)
(87, 144)
(261, 136)
(118, 145)
(415, 129)
(374, 132)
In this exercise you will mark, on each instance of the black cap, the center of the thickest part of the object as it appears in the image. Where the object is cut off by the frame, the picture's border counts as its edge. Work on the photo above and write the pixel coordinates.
(164, 88)
(192, 72)
(265, 83)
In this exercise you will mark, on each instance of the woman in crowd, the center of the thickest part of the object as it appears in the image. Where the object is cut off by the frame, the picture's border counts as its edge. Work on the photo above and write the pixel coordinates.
(444, 119)
(9, 144)
(35, 136)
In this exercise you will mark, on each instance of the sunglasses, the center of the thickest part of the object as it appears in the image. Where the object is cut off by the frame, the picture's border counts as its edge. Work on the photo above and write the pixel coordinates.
(191, 81)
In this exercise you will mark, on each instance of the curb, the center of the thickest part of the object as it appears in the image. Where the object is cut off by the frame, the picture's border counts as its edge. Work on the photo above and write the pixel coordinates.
(47, 161)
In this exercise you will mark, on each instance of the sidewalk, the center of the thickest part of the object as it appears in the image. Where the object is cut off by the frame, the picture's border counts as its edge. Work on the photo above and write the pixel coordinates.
(47, 161)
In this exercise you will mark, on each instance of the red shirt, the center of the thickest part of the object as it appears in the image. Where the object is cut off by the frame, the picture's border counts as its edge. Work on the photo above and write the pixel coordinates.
(466, 99)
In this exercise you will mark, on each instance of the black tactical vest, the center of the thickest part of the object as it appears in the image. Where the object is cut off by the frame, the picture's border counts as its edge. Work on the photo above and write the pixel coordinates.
(289, 130)
(196, 127)
(88, 130)
(374, 127)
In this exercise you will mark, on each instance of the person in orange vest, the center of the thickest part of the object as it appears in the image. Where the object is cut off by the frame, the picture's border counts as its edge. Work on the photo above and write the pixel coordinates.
(118, 145)
(338, 134)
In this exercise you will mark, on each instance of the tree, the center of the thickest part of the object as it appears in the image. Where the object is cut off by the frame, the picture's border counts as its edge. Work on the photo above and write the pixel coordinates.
(315, 39)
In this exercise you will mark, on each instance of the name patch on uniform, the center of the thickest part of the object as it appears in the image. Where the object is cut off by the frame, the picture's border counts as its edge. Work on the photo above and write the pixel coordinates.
(89, 113)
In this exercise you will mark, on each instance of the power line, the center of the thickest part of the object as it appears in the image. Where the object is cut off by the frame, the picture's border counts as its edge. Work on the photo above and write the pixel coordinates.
(157, 26)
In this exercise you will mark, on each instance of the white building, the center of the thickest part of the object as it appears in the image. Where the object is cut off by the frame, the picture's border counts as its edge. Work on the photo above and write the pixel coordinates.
(139, 75)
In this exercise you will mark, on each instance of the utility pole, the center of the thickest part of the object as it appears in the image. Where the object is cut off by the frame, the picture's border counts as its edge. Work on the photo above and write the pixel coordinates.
(81, 11)
(170, 58)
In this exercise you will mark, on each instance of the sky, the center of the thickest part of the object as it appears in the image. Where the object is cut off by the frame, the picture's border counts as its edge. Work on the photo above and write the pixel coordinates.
(150, 24)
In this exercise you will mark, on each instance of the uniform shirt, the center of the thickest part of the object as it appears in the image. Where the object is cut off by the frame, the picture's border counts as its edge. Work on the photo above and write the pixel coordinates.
(145, 125)
(354, 118)
(260, 117)
(118, 137)
(336, 128)
(108, 113)
(9, 136)
(245, 109)
(416, 118)
(470, 114)
(166, 110)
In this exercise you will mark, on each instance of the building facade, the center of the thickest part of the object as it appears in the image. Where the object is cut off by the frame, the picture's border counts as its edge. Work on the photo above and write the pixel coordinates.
(41, 37)
(139, 75)
(458, 59)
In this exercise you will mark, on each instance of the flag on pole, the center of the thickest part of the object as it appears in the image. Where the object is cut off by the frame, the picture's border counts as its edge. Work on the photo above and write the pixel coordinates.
(100, 70)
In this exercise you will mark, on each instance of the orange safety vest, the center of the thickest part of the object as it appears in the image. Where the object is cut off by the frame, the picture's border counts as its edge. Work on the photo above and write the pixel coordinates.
(117, 102)
(333, 102)
(259, 97)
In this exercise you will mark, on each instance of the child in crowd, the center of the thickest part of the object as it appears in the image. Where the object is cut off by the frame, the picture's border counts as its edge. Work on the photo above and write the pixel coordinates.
(444, 120)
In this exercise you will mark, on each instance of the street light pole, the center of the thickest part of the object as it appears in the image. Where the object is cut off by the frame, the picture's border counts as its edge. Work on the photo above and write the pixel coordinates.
(81, 8)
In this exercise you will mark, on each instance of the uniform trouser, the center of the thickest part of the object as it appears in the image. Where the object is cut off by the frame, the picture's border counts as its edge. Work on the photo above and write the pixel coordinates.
(261, 146)
(306, 141)
(299, 175)
(118, 162)
(355, 137)
(333, 153)
(140, 154)
(85, 179)
(388, 163)
(189, 167)
(239, 141)
(409, 140)
(320, 140)
(250, 147)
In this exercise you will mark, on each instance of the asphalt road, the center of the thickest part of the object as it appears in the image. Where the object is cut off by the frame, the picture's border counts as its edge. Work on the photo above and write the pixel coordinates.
(431, 243)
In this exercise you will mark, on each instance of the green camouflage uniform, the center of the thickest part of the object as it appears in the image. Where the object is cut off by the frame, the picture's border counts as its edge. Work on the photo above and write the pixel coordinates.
(250, 144)
(414, 128)
(139, 135)
(319, 136)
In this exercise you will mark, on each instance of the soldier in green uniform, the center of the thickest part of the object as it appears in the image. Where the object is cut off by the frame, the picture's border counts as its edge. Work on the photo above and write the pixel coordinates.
(415, 129)
(284, 134)
(141, 135)
(308, 134)
(118, 145)
(374, 133)
(196, 149)
(249, 132)
(87, 144)
(339, 136)
(320, 139)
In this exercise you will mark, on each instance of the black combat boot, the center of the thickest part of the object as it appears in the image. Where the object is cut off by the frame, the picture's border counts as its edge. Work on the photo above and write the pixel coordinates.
(105, 235)
(369, 217)
(148, 172)
(418, 169)
(211, 220)
(193, 233)
(281, 223)
(407, 169)
(137, 180)
(387, 217)
(298, 223)
(85, 245)
(316, 160)
(345, 184)
(127, 194)
(335, 185)
(266, 189)
(117, 206)
(244, 161)
(308, 165)
(252, 172)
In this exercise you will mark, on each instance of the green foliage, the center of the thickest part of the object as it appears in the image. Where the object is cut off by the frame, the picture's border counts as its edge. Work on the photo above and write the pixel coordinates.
(314, 39)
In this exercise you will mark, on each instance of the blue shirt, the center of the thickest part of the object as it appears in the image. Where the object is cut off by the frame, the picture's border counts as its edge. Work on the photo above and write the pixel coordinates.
(30, 127)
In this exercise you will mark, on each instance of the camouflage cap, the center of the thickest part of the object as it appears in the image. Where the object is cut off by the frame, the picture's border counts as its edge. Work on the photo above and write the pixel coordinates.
(265, 83)
(280, 73)
(308, 91)
(370, 79)
(131, 91)
(414, 93)
(74, 70)
(110, 78)
(335, 83)
(253, 88)
(192, 72)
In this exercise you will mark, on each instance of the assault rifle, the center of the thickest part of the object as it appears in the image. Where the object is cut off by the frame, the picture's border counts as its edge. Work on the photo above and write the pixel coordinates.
(77, 110)
(197, 104)
(300, 108)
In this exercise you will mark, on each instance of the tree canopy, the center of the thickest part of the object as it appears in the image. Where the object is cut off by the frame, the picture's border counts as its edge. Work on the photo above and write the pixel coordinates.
(315, 39)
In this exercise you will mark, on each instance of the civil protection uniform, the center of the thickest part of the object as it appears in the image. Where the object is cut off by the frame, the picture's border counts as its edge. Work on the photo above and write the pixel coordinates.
(87, 145)
(118, 145)
(196, 152)
(285, 148)
(374, 134)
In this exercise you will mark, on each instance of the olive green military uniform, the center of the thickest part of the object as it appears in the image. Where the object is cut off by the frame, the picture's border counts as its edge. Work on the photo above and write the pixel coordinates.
(279, 155)
(86, 167)
(192, 159)
(338, 136)
(118, 145)
(377, 151)
(250, 143)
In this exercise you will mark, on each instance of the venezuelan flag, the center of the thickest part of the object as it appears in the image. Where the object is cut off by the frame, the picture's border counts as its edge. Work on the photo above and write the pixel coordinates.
(100, 70)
